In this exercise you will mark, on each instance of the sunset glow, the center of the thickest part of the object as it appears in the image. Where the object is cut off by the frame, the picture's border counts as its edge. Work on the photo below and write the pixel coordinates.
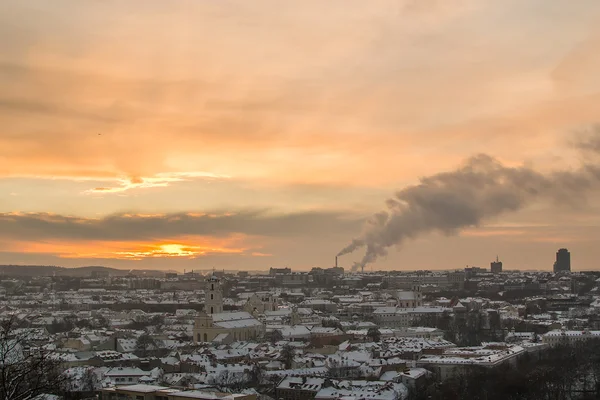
(250, 135)
(188, 248)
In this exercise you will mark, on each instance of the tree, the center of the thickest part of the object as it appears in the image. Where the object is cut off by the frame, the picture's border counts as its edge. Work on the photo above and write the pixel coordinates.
(86, 382)
(229, 382)
(65, 325)
(275, 336)
(144, 343)
(272, 382)
(331, 323)
(374, 334)
(255, 375)
(89, 380)
(564, 372)
(157, 320)
(24, 373)
(101, 321)
(83, 324)
(286, 355)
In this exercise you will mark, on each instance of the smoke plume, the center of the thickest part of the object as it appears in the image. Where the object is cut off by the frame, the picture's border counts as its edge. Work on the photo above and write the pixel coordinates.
(356, 266)
(480, 189)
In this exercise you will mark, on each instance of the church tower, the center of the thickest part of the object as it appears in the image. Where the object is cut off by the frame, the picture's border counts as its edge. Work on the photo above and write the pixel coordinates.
(213, 302)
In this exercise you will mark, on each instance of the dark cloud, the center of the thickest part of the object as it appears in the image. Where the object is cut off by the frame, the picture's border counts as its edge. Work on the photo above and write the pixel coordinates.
(589, 140)
(125, 227)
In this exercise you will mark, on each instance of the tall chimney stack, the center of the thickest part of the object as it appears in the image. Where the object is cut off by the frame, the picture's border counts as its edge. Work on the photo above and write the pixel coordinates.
(336, 261)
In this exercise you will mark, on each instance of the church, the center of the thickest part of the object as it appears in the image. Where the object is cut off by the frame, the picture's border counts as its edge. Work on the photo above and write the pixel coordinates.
(224, 327)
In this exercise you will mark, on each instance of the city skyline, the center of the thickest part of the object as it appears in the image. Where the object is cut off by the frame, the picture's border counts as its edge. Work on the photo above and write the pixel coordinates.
(191, 135)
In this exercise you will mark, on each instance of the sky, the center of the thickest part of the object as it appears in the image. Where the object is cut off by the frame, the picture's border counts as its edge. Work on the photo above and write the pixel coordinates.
(247, 135)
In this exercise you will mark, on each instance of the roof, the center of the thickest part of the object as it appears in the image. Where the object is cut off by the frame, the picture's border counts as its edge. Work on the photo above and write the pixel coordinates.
(299, 383)
(375, 390)
(196, 394)
(231, 316)
(385, 310)
(559, 332)
(141, 388)
(472, 356)
(239, 319)
(127, 345)
(126, 371)
(295, 331)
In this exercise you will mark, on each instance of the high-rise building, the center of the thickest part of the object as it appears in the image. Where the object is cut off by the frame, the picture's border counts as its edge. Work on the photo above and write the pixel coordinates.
(563, 261)
(496, 266)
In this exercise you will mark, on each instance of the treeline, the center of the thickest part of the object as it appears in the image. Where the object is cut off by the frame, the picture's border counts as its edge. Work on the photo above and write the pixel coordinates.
(564, 372)
(466, 328)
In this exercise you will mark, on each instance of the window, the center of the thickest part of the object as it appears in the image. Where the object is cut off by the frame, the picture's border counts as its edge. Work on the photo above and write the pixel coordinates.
(212, 296)
(130, 379)
(212, 310)
(212, 286)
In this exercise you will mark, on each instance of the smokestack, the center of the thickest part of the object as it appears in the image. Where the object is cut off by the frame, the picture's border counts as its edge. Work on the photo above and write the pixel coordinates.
(480, 189)
(336, 264)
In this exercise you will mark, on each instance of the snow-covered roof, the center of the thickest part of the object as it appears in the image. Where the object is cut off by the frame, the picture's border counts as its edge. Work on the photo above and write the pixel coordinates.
(239, 319)
(126, 371)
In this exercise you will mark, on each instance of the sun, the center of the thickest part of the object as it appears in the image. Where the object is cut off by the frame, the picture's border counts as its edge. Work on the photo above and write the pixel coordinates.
(173, 249)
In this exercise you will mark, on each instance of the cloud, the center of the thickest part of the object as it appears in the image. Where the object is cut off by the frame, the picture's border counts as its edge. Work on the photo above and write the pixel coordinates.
(259, 254)
(322, 103)
(160, 227)
(369, 87)
(159, 180)
(189, 235)
(588, 141)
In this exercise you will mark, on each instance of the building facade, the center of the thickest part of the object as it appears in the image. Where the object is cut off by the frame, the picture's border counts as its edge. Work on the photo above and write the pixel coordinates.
(443, 280)
(258, 304)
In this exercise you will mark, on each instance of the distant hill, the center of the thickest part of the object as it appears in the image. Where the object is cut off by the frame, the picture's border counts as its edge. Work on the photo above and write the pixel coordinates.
(49, 270)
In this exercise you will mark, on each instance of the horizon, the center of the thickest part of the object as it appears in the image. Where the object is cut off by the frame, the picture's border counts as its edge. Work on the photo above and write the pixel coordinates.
(399, 135)
(306, 269)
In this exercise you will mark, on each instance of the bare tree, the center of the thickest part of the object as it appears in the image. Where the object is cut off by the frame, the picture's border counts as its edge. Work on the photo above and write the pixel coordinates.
(89, 381)
(25, 372)
(229, 382)
(255, 375)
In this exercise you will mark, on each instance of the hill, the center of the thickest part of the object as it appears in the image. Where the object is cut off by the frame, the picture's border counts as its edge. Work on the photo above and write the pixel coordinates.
(49, 270)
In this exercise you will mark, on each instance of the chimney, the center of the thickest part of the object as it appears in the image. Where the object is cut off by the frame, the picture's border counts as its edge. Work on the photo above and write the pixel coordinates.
(336, 264)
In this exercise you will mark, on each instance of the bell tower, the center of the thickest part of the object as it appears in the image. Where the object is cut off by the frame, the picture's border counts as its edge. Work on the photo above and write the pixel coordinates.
(213, 301)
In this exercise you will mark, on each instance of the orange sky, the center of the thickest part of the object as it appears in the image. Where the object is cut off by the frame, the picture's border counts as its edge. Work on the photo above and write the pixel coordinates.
(298, 120)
